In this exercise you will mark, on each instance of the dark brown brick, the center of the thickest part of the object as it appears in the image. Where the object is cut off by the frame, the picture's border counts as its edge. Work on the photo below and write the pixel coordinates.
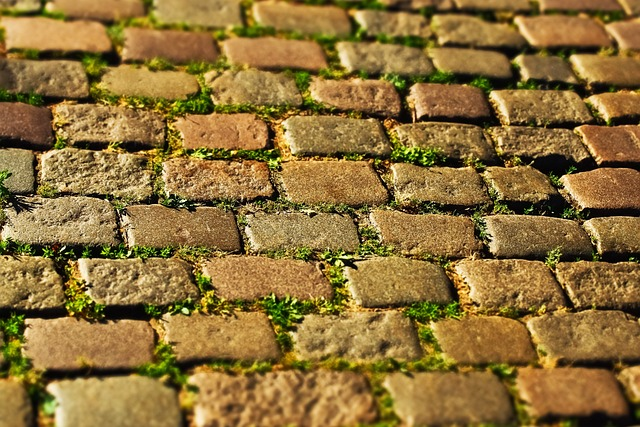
(25, 126)
(464, 30)
(604, 190)
(179, 47)
(520, 185)
(556, 31)
(448, 102)
(471, 62)
(374, 97)
(579, 5)
(612, 146)
(105, 10)
(598, 70)
(550, 69)
(615, 236)
(227, 131)
(270, 53)
(618, 107)
(626, 34)
(308, 20)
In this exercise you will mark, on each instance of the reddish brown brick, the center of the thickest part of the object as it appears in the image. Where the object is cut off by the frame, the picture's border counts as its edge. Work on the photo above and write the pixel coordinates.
(555, 31)
(604, 190)
(180, 47)
(579, 5)
(626, 34)
(452, 102)
(226, 131)
(308, 20)
(375, 97)
(612, 146)
(25, 126)
(598, 70)
(270, 53)
(104, 10)
(617, 107)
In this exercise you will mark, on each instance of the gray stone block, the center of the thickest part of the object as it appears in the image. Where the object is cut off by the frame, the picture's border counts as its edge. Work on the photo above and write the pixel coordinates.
(200, 13)
(21, 165)
(30, 283)
(377, 58)
(16, 409)
(471, 62)
(130, 81)
(616, 235)
(253, 87)
(53, 79)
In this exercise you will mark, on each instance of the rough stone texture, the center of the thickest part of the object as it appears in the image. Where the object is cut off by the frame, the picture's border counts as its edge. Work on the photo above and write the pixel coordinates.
(526, 236)
(377, 58)
(303, 19)
(54, 79)
(484, 340)
(127, 282)
(268, 232)
(396, 281)
(358, 336)
(46, 35)
(20, 5)
(327, 135)
(612, 146)
(179, 47)
(68, 345)
(353, 183)
(626, 34)
(447, 186)
(471, 62)
(16, 409)
(283, 54)
(617, 235)
(104, 10)
(571, 393)
(157, 226)
(617, 107)
(201, 13)
(443, 5)
(250, 278)
(462, 30)
(438, 235)
(117, 401)
(510, 283)
(129, 81)
(579, 5)
(452, 102)
(631, 7)
(493, 5)
(376, 97)
(607, 70)
(73, 221)
(253, 87)
(520, 184)
(392, 24)
(21, 165)
(100, 125)
(200, 338)
(88, 172)
(539, 107)
(314, 399)
(226, 131)
(630, 379)
(25, 126)
(455, 141)
(550, 69)
(587, 337)
(557, 31)
(29, 283)
(204, 180)
(454, 398)
(604, 189)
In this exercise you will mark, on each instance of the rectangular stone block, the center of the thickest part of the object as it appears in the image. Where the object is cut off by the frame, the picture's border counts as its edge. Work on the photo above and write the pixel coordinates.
(392, 24)
(375, 97)
(303, 19)
(448, 102)
(615, 236)
(199, 13)
(104, 10)
(471, 62)
(52, 79)
(464, 30)
(550, 69)
(130, 81)
(520, 185)
(178, 47)
(617, 107)
(579, 5)
(558, 31)
(253, 87)
(377, 58)
(604, 190)
(493, 5)
(20, 5)
(612, 146)
(30, 283)
(16, 410)
(227, 131)
(626, 34)
(20, 163)
(599, 70)
(283, 54)
(25, 126)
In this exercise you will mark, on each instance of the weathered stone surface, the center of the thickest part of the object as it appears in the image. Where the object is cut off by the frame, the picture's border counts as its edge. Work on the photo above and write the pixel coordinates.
(377, 58)
(104, 10)
(587, 337)
(308, 20)
(315, 399)
(616, 235)
(204, 180)
(88, 172)
(250, 278)
(454, 398)
(579, 5)
(395, 281)
(327, 135)
(455, 141)
(392, 24)
(626, 34)
(67, 344)
(447, 186)
(571, 393)
(510, 283)
(73, 221)
(630, 379)
(520, 184)
(29, 283)
(267, 232)
(545, 68)
(374, 97)
(526, 236)
(201, 338)
(25, 126)
(283, 54)
(618, 106)
(21, 165)
(493, 5)
(129, 81)
(612, 146)
(438, 235)
(484, 340)
(123, 401)
(127, 282)
(358, 336)
(353, 183)
(100, 125)
(226, 131)
(557, 31)
(16, 409)
(463, 30)
(46, 35)
(54, 79)
(631, 7)
(471, 62)
(20, 5)
(600, 70)
(180, 47)
(443, 5)
(253, 87)
(157, 226)
(604, 189)
(201, 13)
(539, 107)
(452, 102)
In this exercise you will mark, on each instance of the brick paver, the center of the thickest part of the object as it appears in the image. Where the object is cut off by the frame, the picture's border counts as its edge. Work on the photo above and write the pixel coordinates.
(493, 5)
(377, 58)
(556, 31)
(30, 283)
(131, 81)
(615, 235)
(448, 102)
(25, 126)
(545, 68)
(106, 10)
(520, 184)
(180, 47)
(462, 30)
(579, 5)
(626, 34)
(201, 13)
(227, 131)
(54, 79)
(374, 97)
(16, 410)
(599, 70)
(308, 20)
(20, 163)
(612, 146)
(471, 62)
(630, 379)
(617, 107)
(253, 87)
(392, 24)
(604, 190)
(283, 54)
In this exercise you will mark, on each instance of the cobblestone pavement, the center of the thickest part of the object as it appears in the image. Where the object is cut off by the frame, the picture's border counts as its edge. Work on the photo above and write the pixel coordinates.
(360, 212)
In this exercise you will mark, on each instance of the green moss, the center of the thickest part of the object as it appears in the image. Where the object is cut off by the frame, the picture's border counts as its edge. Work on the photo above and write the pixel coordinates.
(30, 98)
(271, 157)
(165, 366)
(418, 156)
(425, 312)
(94, 65)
